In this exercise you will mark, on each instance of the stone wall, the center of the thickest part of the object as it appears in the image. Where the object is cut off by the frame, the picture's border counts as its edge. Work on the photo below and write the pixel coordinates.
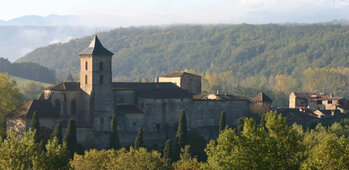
(160, 118)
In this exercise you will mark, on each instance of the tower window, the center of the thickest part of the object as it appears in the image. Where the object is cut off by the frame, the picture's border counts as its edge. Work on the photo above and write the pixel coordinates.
(101, 79)
(58, 105)
(85, 79)
(73, 107)
(86, 67)
(101, 66)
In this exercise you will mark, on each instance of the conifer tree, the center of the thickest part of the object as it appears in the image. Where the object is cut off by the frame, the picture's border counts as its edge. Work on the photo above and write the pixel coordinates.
(181, 135)
(139, 139)
(167, 150)
(70, 138)
(240, 124)
(222, 122)
(57, 133)
(35, 126)
(114, 138)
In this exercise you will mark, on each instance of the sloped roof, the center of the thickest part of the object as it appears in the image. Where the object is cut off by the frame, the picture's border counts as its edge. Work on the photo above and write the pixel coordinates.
(180, 74)
(137, 85)
(153, 90)
(129, 108)
(296, 115)
(95, 48)
(262, 97)
(65, 86)
(42, 107)
(316, 96)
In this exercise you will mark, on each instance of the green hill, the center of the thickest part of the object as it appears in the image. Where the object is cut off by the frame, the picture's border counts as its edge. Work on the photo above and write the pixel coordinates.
(28, 70)
(22, 82)
(247, 50)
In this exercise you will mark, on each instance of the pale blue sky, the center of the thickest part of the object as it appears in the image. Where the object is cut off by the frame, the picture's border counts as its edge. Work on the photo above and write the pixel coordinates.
(186, 11)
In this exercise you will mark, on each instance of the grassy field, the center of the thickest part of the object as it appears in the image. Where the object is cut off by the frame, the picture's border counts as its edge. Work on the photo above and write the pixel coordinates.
(22, 82)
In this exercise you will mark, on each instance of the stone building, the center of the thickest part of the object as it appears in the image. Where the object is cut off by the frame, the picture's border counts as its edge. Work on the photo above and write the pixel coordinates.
(316, 101)
(154, 106)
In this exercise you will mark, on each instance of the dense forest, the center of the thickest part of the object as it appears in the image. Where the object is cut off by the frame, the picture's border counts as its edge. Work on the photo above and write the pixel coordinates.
(27, 70)
(239, 59)
(246, 50)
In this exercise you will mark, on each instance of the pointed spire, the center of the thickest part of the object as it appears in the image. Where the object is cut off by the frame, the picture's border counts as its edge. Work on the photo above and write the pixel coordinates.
(95, 48)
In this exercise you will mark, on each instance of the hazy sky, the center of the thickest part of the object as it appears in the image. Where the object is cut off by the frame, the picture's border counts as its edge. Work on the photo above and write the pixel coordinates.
(186, 11)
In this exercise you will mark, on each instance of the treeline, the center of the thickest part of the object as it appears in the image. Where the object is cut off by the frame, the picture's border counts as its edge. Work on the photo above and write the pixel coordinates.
(31, 71)
(315, 80)
(246, 50)
(267, 144)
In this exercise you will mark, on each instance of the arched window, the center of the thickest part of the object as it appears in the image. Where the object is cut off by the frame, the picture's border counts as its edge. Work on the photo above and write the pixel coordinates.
(101, 79)
(101, 66)
(58, 105)
(85, 79)
(73, 107)
(86, 67)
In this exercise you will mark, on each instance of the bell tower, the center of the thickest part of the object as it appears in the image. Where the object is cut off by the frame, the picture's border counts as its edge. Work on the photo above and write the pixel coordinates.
(96, 83)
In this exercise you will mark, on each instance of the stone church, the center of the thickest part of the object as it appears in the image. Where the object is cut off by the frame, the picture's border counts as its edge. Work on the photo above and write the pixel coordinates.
(153, 106)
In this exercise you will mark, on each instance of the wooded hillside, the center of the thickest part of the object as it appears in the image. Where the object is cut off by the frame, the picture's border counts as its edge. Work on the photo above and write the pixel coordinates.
(243, 49)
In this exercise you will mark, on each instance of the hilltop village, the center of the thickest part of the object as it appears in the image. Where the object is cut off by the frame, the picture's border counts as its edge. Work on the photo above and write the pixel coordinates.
(155, 106)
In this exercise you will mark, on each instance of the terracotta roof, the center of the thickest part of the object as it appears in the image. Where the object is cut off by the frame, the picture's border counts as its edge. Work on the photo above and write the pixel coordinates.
(42, 107)
(95, 48)
(297, 115)
(262, 97)
(200, 96)
(316, 96)
(129, 108)
(180, 74)
(65, 86)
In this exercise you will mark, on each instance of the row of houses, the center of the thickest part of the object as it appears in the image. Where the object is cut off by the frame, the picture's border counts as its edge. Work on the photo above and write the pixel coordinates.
(307, 107)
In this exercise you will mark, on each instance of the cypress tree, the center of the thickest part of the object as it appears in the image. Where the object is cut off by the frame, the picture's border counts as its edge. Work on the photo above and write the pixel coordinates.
(181, 135)
(114, 138)
(240, 124)
(57, 133)
(167, 150)
(222, 122)
(139, 139)
(70, 138)
(262, 122)
(35, 125)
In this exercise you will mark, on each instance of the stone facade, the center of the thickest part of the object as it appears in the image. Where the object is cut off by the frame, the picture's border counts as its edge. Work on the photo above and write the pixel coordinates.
(155, 107)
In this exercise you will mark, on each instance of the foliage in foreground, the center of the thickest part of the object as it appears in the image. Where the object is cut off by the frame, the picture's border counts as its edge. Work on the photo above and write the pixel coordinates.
(21, 152)
(271, 145)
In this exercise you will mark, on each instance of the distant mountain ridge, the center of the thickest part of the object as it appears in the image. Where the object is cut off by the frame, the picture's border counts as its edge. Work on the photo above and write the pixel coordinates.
(246, 50)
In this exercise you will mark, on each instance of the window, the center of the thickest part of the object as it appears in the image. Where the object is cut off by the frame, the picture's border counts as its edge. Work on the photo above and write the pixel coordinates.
(73, 107)
(101, 79)
(158, 127)
(101, 66)
(101, 123)
(319, 102)
(86, 67)
(85, 79)
(64, 97)
(58, 105)
(329, 101)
